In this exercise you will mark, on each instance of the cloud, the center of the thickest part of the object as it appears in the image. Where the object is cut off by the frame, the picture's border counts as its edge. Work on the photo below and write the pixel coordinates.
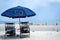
(46, 10)
(54, 0)
(27, 3)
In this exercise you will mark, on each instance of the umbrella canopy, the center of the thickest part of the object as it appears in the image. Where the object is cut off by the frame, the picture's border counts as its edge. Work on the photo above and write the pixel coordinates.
(18, 12)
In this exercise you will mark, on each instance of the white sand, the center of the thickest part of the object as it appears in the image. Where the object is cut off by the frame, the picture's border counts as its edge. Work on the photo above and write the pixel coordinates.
(41, 35)
(46, 32)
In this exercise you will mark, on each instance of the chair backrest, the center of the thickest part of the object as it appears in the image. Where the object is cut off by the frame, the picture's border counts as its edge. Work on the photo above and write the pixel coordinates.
(24, 28)
(9, 25)
(10, 29)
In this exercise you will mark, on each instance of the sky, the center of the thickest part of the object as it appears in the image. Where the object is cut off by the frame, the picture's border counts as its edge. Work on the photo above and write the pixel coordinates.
(47, 11)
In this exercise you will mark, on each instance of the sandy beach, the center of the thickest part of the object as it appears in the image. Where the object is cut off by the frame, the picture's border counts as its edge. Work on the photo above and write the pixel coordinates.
(29, 19)
(38, 32)
(39, 35)
(36, 27)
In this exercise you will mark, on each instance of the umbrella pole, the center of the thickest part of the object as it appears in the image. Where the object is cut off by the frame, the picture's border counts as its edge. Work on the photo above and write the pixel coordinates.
(20, 27)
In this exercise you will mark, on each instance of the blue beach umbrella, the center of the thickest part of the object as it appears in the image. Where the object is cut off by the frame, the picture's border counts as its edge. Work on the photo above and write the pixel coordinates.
(18, 12)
